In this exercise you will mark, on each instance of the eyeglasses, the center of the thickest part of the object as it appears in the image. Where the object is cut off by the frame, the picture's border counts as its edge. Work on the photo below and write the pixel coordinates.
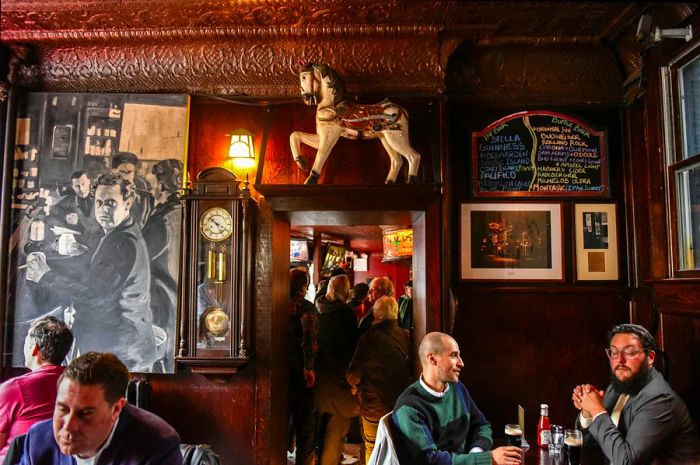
(630, 353)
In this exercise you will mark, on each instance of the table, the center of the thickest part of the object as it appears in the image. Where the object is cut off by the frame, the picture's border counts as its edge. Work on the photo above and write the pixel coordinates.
(589, 456)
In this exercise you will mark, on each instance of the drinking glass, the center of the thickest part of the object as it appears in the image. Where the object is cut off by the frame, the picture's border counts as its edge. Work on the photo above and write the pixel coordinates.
(557, 439)
(573, 440)
(514, 435)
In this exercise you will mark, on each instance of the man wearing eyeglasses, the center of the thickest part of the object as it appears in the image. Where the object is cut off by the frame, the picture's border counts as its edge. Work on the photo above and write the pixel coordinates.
(638, 419)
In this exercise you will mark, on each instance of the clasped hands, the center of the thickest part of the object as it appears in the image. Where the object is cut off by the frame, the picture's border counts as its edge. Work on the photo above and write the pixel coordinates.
(588, 400)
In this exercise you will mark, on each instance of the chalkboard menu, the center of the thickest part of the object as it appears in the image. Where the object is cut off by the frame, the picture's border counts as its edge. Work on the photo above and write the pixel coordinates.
(539, 153)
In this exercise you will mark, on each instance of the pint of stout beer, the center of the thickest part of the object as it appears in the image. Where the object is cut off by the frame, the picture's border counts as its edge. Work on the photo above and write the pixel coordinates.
(514, 435)
(573, 440)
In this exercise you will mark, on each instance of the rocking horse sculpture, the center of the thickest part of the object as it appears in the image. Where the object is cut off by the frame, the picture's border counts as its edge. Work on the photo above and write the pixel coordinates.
(337, 117)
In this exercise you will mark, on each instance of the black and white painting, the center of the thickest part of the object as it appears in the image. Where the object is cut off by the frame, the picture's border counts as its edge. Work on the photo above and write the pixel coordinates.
(96, 220)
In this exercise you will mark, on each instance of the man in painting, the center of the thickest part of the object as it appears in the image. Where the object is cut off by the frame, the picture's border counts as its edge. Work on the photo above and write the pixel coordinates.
(638, 419)
(126, 163)
(30, 398)
(93, 423)
(112, 296)
(76, 212)
(162, 233)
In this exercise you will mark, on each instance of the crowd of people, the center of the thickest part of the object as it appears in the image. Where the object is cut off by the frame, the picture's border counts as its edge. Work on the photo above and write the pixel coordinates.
(78, 414)
(349, 355)
(352, 355)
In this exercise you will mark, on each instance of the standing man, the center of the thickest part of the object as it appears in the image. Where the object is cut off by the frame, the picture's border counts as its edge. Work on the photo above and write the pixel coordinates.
(378, 287)
(162, 235)
(435, 421)
(303, 326)
(92, 422)
(639, 419)
(406, 306)
(380, 368)
(126, 164)
(112, 296)
(30, 398)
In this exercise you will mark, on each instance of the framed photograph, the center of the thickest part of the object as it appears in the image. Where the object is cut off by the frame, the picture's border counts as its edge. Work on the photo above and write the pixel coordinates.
(596, 242)
(511, 241)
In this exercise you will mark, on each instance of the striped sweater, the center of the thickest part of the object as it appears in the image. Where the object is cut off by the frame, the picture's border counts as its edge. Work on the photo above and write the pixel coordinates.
(440, 430)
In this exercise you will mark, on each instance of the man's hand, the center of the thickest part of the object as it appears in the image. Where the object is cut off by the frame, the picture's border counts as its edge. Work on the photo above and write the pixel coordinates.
(309, 377)
(591, 400)
(36, 266)
(507, 455)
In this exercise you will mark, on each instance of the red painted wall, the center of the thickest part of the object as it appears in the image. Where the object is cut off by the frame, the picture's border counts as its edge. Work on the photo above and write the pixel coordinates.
(398, 271)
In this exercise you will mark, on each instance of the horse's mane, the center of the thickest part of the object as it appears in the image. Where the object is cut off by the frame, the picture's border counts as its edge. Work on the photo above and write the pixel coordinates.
(335, 82)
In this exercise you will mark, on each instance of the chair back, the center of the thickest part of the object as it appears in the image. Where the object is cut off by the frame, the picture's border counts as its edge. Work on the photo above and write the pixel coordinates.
(198, 454)
(384, 452)
(14, 452)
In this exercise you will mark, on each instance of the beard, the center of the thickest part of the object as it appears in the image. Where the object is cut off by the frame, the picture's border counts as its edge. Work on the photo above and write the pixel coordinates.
(633, 385)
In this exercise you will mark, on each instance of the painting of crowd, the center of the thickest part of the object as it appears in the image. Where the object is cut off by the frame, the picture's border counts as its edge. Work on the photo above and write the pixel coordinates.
(101, 254)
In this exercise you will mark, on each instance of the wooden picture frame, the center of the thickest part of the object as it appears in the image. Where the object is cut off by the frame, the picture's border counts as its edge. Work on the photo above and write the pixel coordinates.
(511, 241)
(595, 242)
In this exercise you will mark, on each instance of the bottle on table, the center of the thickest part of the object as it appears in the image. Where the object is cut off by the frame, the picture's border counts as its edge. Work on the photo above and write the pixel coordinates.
(543, 433)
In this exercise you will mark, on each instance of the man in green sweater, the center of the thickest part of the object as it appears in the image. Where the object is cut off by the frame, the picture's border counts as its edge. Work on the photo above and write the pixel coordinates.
(435, 421)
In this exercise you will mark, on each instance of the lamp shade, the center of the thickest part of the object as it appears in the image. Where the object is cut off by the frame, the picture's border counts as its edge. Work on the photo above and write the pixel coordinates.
(241, 144)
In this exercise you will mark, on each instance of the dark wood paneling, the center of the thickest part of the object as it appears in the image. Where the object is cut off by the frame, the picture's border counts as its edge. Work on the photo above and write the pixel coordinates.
(202, 411)
(532, 346)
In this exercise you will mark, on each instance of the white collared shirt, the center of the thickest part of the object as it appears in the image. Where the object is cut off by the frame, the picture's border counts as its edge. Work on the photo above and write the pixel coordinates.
(93, 460)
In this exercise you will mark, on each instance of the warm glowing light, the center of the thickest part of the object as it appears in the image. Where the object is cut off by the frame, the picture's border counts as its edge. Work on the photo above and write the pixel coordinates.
(397, 244)
(242, 146)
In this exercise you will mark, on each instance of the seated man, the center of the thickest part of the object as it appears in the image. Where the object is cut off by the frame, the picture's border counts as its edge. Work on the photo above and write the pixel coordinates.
(639, 419)
(435, 421)
(92, 423)
(30, 398)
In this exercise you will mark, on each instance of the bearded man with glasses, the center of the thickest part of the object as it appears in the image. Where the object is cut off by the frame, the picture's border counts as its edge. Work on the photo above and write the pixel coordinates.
(638, 419)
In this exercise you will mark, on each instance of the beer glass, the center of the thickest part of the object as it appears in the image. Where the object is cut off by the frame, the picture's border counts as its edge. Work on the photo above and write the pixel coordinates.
(573, 440)
(514, 435)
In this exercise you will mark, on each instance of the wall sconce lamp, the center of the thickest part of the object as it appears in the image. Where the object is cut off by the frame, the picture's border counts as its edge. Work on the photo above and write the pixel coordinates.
(241, 151)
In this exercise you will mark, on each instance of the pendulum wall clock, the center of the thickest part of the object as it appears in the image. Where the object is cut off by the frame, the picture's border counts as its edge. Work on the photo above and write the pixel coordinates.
(215, 300)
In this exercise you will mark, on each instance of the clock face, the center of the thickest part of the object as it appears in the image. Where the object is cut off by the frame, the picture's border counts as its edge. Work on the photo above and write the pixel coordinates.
(216, 224)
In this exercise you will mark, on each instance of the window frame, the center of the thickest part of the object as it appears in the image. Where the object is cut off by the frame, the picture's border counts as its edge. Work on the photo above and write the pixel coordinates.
(674, 144)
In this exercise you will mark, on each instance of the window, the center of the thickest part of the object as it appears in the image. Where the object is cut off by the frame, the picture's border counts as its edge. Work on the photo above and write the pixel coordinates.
(682, 83)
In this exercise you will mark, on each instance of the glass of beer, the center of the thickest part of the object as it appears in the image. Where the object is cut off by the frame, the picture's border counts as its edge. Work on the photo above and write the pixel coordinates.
(514, 435)
(573, 440)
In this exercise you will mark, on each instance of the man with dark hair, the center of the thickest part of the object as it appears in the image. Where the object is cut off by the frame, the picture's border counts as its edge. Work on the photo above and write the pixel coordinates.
(435, 421)
(126, 164)
(92, 422)
(303, 339)
(162, 235)
(406, 306)
(112, 296)
(638, 419)
(30, 398)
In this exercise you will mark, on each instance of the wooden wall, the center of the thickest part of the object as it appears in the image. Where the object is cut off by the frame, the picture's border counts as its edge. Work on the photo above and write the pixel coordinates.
(521, 343)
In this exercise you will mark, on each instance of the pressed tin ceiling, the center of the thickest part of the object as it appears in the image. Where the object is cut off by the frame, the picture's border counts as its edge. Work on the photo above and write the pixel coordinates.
(255, 48)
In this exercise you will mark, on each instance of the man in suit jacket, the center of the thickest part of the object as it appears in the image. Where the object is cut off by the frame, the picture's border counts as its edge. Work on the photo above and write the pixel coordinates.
(92, 423)
(638, 419)
(112, 295)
